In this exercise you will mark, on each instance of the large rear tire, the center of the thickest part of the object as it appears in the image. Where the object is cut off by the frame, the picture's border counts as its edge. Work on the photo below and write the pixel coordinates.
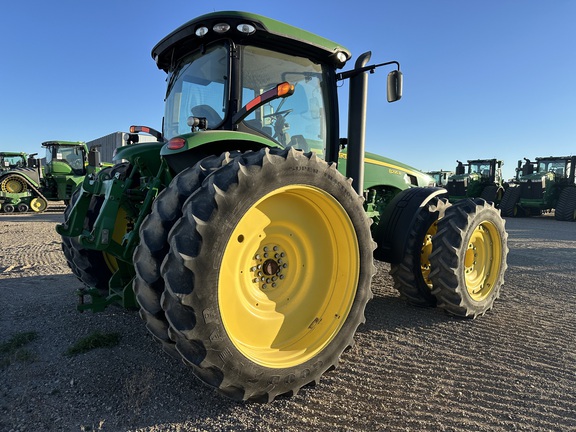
(566, 206)
(268, 274)
(150, 253)
(469, 258)
(412, 275)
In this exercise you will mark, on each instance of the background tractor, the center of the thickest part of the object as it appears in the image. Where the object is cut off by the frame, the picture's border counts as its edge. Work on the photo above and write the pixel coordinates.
(27, 184)
(440, 177)
(20, 183)
(543, 185)
(246, 249)
(480, 178)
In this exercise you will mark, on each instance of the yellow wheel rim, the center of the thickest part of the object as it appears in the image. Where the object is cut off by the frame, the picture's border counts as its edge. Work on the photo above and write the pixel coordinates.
(425, 253)
(120, 229)
(482, 261)
(38, 204)
(289, 276)
(13, 185)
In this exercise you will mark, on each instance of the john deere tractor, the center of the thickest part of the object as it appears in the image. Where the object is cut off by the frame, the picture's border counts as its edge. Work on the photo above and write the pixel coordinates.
(542, 186)
(480, 178)
(248, 252)
(20, 183)
(27, 185)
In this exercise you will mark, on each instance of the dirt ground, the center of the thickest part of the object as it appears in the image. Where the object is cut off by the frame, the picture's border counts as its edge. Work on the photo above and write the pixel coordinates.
(411, 369)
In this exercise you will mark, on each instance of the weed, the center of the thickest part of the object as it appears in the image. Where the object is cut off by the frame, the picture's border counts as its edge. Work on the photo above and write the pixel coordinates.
(13, 351)
(93, 341)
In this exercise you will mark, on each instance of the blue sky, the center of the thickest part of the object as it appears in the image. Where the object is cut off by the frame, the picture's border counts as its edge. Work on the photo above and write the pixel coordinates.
(484, 79)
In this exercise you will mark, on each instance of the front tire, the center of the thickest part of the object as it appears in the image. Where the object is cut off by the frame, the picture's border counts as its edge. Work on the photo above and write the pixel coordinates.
(268, 274)
(469, 258)
(412, 275)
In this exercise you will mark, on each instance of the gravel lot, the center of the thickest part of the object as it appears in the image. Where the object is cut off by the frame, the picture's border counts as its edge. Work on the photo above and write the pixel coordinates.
(411, 369)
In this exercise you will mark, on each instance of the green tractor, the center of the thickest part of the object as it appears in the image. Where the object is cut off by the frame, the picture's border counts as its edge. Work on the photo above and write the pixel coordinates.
(542, 186)
(247, 251)
(67, 163)
(441, 177)
(27, 185)
(480, 178)
(20, 183)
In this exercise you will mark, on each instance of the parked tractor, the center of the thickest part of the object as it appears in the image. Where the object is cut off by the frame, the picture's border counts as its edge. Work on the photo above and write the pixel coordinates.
(27, 185)
(20, 183)
(440, 177)
(67, 163)
(542, 186)
(480, 178)
(247, 251)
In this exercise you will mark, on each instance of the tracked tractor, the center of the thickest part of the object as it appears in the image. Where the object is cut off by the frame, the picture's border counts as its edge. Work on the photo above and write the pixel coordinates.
(20, 183)
(243, 234)
(542, 186)
(26, 185)
(480, 178)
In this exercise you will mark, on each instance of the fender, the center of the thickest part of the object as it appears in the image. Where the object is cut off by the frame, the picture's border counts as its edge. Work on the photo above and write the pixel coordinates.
(391, 233)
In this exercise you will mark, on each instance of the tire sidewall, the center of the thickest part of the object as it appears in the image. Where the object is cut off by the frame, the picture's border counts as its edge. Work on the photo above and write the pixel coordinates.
(210, 330)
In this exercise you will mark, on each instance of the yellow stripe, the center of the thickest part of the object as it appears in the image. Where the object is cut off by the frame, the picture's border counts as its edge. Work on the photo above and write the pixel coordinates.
(386, 164)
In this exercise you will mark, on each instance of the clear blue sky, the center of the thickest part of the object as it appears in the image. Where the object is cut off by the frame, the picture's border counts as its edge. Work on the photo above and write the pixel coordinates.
(483, 79)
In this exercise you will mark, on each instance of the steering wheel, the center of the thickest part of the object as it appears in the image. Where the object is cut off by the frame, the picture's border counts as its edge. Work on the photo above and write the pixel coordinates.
(77, 164)
(209, 113)
(279, 113)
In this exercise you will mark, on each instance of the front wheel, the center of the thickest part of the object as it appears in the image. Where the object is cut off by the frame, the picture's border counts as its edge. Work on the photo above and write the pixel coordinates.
(268, 274)
(412, 275)
(469, 258)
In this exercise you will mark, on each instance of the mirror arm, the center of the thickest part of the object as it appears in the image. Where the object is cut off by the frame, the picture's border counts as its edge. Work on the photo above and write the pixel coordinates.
(349, 74)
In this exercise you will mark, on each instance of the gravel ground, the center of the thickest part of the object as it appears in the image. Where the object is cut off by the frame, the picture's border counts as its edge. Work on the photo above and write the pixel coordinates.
(411, 369)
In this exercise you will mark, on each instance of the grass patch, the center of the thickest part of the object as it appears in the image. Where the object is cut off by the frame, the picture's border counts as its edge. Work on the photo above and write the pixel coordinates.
(93, 341)
(13, 350)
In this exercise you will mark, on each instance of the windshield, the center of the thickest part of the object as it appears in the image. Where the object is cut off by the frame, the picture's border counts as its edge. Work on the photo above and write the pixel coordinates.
(12, 161)
(557, 167)
(198, 87)
(298, 120)
(480, 168)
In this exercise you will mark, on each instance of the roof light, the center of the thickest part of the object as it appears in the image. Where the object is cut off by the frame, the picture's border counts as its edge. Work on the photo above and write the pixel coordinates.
(246, 28)
(201, 31)
(176, 143)
(341, 56)
(221, 28)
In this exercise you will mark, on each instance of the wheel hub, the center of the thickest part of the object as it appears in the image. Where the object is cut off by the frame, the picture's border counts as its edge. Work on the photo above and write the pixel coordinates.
(269, 266)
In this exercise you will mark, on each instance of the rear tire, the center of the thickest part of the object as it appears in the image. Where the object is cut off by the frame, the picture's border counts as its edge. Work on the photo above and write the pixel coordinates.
(566, 206)
(148, 256)
(412, 275)
(268, 274)
(469, 258)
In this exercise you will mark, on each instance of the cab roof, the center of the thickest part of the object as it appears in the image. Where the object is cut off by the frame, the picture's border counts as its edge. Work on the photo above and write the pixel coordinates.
(268, 33)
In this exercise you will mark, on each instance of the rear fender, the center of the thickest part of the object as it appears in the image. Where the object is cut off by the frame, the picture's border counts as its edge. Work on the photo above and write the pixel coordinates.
(185, 151)
(391, 233)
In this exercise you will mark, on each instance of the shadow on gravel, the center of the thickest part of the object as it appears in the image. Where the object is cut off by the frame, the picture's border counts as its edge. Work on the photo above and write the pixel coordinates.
(391, 313)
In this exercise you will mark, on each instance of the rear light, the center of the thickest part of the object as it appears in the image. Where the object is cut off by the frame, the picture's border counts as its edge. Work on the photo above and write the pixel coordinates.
(221, 28)
(201, 31)
(176, 143)
(246, 28)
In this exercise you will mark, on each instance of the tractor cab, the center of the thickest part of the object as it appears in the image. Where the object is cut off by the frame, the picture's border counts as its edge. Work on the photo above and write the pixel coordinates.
(12, 160)
(233, 71)
(65, 158)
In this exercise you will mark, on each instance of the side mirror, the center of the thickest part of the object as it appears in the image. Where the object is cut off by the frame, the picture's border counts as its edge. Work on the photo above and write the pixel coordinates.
(394, 86)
